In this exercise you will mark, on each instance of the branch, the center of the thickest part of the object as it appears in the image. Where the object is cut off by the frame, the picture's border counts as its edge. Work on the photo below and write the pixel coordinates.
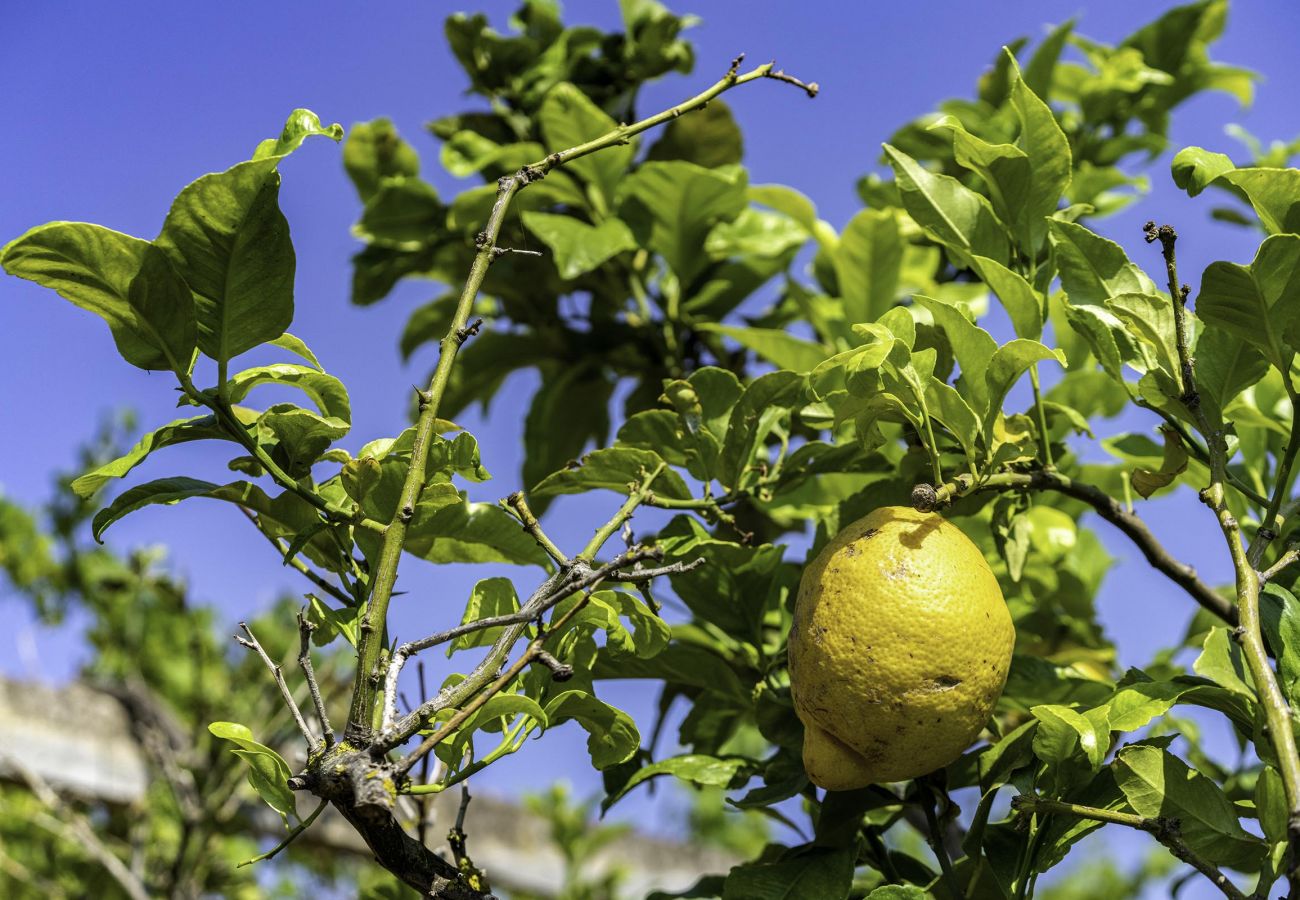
(251, 643)
(519, 504)
(305, 629)
(1163, 829)
(1249, 634)
(926, 498)
(1290, 556)
(373, 624)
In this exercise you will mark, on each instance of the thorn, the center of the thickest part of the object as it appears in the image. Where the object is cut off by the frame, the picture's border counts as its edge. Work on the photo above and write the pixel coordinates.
(735, 65)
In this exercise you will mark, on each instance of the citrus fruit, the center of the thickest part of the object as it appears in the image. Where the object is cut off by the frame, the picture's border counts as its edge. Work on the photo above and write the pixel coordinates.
(900, 647)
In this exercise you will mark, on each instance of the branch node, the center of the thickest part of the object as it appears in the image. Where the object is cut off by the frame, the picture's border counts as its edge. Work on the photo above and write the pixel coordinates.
(464, 334)
(559, 671)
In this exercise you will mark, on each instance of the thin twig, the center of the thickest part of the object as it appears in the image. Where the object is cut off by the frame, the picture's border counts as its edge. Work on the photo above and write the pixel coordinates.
(1107, 507)
(310, 574)
(519, 504)
(1164, 830)
(289, 838)
(1290, 556)
(305, 629)
(252, 644)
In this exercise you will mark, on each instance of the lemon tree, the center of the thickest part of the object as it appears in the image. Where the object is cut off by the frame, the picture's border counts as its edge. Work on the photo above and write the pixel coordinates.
(851, 481)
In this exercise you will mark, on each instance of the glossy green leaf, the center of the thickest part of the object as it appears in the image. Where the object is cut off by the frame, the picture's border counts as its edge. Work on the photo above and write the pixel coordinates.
(268, 772)
(1050, 160)
(179, 432)
(1271, 806)
(1157, 783)
(1063, 732)
(226, 235)
(569, 119)
(577, 247)
(491, 597)
(672, 206)
(824, 874)
(569, 411)
(163, 490)
(469, 532)
(1259, 303)
(330, 622)
(766, 400)
(301, 124)
(300, 435)
(867, 263)
(1011, 361)
(1195, 169)
(403, 213)
(326, 391)
(691, 767)
(972, 346)
(612, 736)
(1023, 304)
(1226, 364)
(950, 212)
(1222, 662)
(1093, 268)
(125, 281)
(1280, 612)
(619, 469)
(298, 348)
(1275, 195)
(755, 233)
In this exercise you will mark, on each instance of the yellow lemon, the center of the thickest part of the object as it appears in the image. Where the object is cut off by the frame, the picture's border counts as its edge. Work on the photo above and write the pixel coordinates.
(900, 648)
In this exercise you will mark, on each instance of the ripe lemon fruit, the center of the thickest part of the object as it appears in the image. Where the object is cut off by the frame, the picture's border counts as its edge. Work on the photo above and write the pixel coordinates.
(900, 648)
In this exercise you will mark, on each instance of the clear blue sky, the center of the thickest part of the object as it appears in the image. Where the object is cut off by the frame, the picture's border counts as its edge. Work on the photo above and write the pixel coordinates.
(112, 108)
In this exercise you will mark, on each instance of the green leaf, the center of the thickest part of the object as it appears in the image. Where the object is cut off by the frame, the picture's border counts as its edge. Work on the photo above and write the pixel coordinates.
(1147, 481)
(1023, 304)
(1226, 364)
(755, 233)
(403, 214)
(944, 404)
(899, 892)
(178, 432)
(867, 262)
(766, 400)
(1259, 303)
(708, 137)
(1015, 750)
(1048, 151)
(569, 410)
(1271, 805)
(301, 124)
(1063, 732)
(1274, 193)
(612, 736)
(1280, 613)
(296, 346)
(672, 206)
(1093, 268)
(469, 532)
(125, 281)
(300, 435)
(1222, 662)
(568, 118)
(1011, 361)
(972, 346)
(780, 348)
(1195, 169)
(619, 469)
(373, 152)
(268, 772)
(226, 235)
(162, 490)
(491, 597)
(1157, 783)
(824, 874)
(948, 211)
(330, 622)
(694, 768)
(579, 248)
(326, 391)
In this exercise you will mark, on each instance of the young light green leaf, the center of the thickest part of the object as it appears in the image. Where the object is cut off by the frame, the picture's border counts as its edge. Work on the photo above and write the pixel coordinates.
(125, 281)
(950, 212)
(401, 215)
(766, 401)
(972, 346)
(1195, 169)
(326, 391)
(298, 348)
(1274, 193)
(1048, 151)
(447, 532)
(373, 152)
(1221, 661)
(300, 436)
(1226, 364)
(268, 772)
(1063, 732)
(1023, 304)
(1147, 481)
(1157, 783)
(1011, 361)
(301, 124)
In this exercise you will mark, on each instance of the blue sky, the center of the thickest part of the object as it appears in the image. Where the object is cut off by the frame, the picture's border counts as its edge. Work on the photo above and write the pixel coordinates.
(112, 108)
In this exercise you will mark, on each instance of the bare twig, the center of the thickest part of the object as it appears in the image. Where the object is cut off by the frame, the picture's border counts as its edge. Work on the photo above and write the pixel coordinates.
(1108, 508)
(305, 629)
(1164, 830)
(1290, 556)
(296, 563)
(289, 838)
(519, 504)
(252, 643)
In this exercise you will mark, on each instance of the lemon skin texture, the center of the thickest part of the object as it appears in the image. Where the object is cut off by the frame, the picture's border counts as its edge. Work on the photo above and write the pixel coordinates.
(899, 649)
